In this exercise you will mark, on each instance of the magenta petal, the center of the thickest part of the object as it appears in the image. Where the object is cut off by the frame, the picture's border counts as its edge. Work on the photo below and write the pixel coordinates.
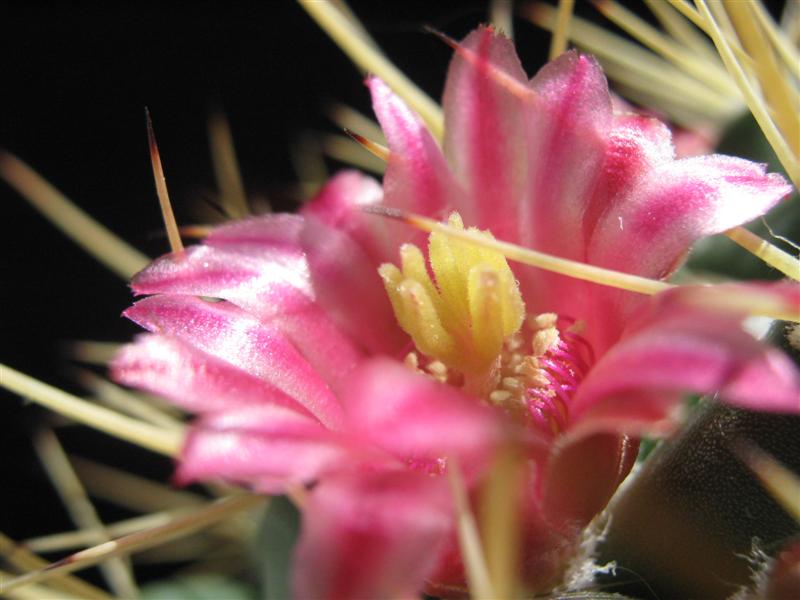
(264, 282)
(260, 443)
(350, 291)
(649, 229)
(340, 203)
(268, 232)
(192, 379)
(636, 146)
(344, 247)
(268, 279)
(681, 346)
(371, 536)
(567, 127)
(420, 420)
(417, 178)
(484, 129)
(230, 334)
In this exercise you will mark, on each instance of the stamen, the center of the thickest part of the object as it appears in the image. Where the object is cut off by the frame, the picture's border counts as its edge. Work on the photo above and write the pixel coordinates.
(463, 318)
(537, 387)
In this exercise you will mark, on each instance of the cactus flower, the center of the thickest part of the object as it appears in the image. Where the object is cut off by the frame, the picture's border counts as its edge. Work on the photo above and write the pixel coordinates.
(349, 354)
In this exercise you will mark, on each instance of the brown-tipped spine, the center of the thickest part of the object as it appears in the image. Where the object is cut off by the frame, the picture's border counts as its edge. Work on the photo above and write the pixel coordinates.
(161, 188)
(375, 148)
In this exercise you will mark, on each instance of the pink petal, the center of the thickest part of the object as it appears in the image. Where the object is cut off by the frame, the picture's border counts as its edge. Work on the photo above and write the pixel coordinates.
(260, 443)
(484, 128)
(340, 203)
(567, 127)
(230, 334)
(636, 145)
(680, 346)
(417, 178)
(347, 286)
(647, 210)
(270, 280)
(673, 203)
(273, 231)
(371, 536)
(192, 379)
(419, 420)
(263, 281)
(262, 265)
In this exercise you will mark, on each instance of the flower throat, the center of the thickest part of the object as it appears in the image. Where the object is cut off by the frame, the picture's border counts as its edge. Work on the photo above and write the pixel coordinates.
(467, 320)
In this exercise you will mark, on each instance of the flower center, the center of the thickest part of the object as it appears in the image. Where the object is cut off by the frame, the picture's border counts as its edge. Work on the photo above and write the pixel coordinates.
(541, 368)
(462, 315)
(467, 320)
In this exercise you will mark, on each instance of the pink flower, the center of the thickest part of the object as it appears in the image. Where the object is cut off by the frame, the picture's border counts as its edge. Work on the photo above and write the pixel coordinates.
(302, 375)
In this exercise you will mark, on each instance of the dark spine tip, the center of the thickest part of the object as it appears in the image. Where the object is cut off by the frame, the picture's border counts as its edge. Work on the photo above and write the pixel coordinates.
(442, 36)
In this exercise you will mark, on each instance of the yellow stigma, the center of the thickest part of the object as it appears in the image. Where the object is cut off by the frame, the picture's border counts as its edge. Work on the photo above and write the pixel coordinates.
(462, 316)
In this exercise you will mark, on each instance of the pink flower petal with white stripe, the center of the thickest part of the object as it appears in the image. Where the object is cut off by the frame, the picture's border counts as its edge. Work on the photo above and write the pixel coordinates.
(680, 345)
(419, 420)
(567, 128)
(484, 129)
(347, 288)
(261, 442)
(340, 203)
(371, 536)
(225, 331)
(192, 379)
(417, 178)
(673, 203)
